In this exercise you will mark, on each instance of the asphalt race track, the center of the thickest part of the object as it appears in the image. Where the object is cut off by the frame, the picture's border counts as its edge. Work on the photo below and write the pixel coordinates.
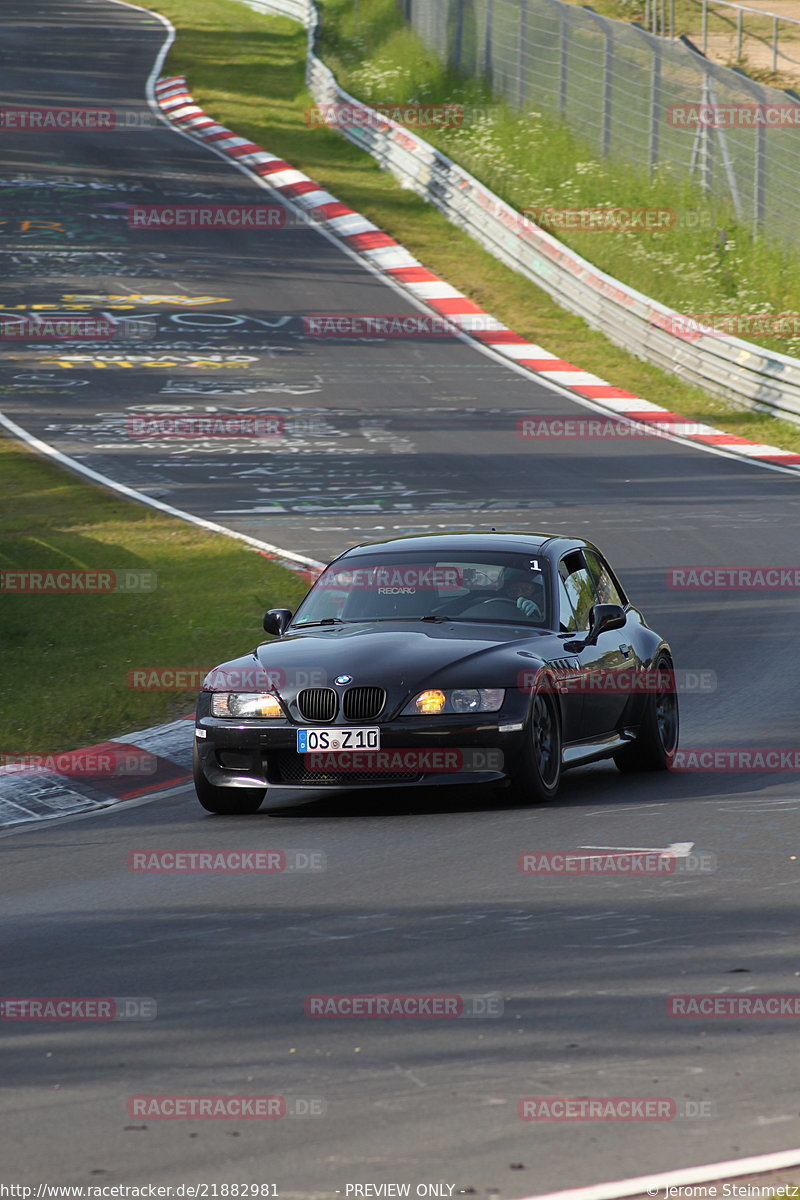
(420, 893)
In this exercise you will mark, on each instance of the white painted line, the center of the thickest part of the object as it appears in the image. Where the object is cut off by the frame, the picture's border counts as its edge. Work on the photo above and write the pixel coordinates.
(390, 258)
(435, 290)
(315, 199)
(674, 850)
(256, 157)
(281, 179)
(755, 450)
(65, 461)
(349, 224)
(573, 377)
(651, 1184)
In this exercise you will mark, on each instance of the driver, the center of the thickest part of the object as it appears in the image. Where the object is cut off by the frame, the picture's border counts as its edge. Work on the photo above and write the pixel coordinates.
(526, 589)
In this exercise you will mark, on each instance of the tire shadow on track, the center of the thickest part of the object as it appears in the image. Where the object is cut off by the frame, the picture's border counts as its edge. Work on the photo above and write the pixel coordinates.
(599, 787)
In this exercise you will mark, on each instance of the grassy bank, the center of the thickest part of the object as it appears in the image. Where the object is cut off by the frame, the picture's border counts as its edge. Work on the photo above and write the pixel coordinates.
(248, 71)
(66, 657)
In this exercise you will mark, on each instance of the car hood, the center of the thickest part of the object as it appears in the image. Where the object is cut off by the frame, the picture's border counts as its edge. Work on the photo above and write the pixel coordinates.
(400, 656)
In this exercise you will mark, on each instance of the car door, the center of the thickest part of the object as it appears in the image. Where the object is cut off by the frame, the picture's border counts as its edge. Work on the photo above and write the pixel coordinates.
(604, 666)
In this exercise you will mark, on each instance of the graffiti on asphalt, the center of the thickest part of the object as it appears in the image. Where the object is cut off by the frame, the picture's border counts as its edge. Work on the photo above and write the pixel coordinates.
(212, 362)
(238, 387)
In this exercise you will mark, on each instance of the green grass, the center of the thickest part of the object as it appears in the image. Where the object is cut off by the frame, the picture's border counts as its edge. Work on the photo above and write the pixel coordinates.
(65, 658)
(247, 70)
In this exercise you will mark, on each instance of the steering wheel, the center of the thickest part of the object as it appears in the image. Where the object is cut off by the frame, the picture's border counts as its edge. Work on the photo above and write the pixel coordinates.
(506, 600)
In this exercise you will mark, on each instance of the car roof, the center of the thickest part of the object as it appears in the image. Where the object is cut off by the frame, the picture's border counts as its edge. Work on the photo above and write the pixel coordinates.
(463, 541)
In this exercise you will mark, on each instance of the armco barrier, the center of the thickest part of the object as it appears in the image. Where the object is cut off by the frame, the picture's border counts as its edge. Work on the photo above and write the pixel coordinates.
(749, 375)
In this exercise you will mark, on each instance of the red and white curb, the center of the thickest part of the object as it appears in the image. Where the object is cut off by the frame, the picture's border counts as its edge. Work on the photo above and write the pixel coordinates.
(390, 258)
(125, 768)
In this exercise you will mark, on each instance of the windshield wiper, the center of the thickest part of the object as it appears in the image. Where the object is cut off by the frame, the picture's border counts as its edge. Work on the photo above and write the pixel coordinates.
(324, 621)
(439, 617)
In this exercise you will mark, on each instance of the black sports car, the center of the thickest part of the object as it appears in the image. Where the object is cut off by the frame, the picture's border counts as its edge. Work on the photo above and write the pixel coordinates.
(499, 658)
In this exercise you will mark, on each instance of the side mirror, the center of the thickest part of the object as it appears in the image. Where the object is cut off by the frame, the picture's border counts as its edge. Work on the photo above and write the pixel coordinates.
(603, 617)
(276, 620)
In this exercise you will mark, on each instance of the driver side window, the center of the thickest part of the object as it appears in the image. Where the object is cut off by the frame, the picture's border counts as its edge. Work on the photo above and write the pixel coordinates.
(578, 587)
(566, 611)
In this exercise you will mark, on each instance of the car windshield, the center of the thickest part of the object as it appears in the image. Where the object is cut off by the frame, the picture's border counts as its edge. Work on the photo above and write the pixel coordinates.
(475, 587)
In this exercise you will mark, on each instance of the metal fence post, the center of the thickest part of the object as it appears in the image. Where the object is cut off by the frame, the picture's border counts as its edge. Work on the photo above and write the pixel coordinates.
(607, 30)
(563, 59)
(655, 107)
(758, 181)
(458, 33)
(523, 46)
(656, 116)
(707, 145)
(487, 44)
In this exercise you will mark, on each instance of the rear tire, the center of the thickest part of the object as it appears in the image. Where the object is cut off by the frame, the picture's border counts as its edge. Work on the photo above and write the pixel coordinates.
(655, 744)
(223, 800)
(540, 773)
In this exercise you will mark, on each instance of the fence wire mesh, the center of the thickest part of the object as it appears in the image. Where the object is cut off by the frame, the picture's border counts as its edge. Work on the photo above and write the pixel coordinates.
(633, 95)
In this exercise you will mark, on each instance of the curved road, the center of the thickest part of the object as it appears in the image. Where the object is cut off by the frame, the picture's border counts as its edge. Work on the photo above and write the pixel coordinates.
(420, 894)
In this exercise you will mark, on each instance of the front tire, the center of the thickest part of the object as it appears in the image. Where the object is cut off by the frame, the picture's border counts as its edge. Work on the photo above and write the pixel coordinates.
(539, 777)
(657, 740)
(222, 800)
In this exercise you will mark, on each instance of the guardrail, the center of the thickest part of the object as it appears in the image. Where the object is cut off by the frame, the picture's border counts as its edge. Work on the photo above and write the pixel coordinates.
(750, 375)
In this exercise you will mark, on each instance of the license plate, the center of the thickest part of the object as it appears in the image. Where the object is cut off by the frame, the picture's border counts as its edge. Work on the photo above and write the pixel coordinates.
(334, 741)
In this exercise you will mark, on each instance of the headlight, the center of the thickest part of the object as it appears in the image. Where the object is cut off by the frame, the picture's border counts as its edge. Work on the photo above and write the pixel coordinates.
(245, 704)
(459, 700)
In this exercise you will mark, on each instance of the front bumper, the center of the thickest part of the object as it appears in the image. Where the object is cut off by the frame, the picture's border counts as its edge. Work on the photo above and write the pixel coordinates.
(423, 751)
